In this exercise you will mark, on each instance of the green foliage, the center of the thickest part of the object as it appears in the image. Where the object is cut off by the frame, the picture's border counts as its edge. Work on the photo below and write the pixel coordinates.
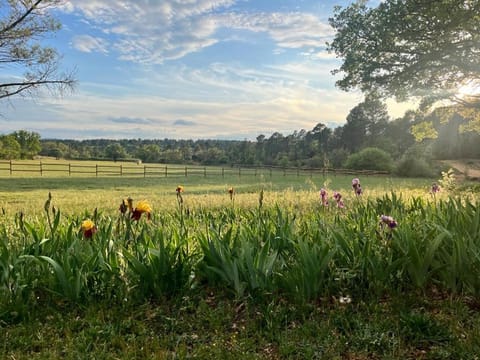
(448, 180)
(302, 255)
(159, 267)
(307, 274)
(424, 130)
(115, 152)
(366, 124)
(293, 281)
(422, 329)
(407, 48)
(371, 159)
(9, 147)
(28, 142)
(412, 166)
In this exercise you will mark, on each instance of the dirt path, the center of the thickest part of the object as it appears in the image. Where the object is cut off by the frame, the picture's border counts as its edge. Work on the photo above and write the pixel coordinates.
(469, 169)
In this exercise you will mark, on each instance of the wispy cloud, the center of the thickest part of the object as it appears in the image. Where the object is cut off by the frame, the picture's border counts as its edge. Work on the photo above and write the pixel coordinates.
(288, 30)
(181, 122)
(153, 32)
(190, 69)
(130, 120)
(87, 43)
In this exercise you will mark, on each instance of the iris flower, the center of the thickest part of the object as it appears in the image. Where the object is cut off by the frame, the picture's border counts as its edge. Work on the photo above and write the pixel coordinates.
(389, 221)
(338, 198)
(88, 228)
(323, 195)
(357, 188)
(142, 207)
(179, 191)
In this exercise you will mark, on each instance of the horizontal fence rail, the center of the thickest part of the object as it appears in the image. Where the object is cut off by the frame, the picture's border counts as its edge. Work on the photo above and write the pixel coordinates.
(157, 170)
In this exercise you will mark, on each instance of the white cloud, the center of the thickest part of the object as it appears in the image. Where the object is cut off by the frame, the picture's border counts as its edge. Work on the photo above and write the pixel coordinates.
(87, 43)
(289, 30)
(222, 101)
(216, 99)
(155, 31)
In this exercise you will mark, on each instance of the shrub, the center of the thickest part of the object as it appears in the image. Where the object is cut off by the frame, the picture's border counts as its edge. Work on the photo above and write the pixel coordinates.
(410, 166)
(370, 159)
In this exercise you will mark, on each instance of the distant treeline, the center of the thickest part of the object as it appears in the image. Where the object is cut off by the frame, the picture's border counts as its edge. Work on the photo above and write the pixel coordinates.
(368, 140)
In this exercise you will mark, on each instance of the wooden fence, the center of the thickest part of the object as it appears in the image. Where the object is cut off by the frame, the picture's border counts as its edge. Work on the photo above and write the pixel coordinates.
(156, 170)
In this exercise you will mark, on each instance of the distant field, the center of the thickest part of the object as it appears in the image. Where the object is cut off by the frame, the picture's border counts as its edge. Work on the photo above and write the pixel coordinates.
(27, 192)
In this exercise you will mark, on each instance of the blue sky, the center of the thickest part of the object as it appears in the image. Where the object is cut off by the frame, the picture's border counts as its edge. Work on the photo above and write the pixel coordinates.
(189, 69)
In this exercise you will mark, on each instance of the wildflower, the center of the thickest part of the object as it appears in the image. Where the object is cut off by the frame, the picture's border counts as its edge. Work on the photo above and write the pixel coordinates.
(231, 192)
(345, 299)
(142, 207)
(123, 206)
(179, 191)
(338, 198)
(435, 188)
(324, 196)
(389, 221)
(357, 188)
(88, 228)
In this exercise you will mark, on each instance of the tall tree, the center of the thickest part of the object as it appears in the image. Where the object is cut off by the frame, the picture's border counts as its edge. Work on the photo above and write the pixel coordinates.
(411, 48)
(9, 147)
(366, 122)
(115, 151)
(29, 142)
(22, 24)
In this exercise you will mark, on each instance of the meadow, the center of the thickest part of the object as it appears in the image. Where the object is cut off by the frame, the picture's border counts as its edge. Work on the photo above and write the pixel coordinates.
(253, 267)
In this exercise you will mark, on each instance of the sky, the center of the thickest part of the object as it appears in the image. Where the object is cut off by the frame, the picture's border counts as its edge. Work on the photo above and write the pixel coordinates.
(189, 69)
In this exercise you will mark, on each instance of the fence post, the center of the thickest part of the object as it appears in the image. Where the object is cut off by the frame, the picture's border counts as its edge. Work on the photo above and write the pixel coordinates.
(41, 169)
(223, 172)
(166, 171)
(205, 172)
(121, 170)
(284, 171)
(96, 170)
(270, 172)
(298, 171)
(144, 171)
(255, 172)
(69, 169)
(239, 172)
(186, 172)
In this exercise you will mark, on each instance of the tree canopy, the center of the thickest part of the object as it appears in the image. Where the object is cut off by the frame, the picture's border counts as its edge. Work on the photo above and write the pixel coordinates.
(410, 48)
(22, 24)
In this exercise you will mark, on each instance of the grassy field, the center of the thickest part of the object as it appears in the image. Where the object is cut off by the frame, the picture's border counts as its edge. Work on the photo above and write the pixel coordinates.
(79, 192)
(269, 274)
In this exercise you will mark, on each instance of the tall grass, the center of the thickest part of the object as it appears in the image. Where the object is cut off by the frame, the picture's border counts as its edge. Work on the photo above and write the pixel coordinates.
(302, 256)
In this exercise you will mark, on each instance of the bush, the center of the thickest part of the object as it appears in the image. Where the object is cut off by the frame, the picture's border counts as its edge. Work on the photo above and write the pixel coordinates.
(410, 166)
(370, 159)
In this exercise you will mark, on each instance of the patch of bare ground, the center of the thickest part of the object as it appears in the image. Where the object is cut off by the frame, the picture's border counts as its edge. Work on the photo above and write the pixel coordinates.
(465, 169)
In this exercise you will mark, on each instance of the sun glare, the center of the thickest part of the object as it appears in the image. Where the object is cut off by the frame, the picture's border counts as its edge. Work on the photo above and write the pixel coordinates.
(472, 88)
